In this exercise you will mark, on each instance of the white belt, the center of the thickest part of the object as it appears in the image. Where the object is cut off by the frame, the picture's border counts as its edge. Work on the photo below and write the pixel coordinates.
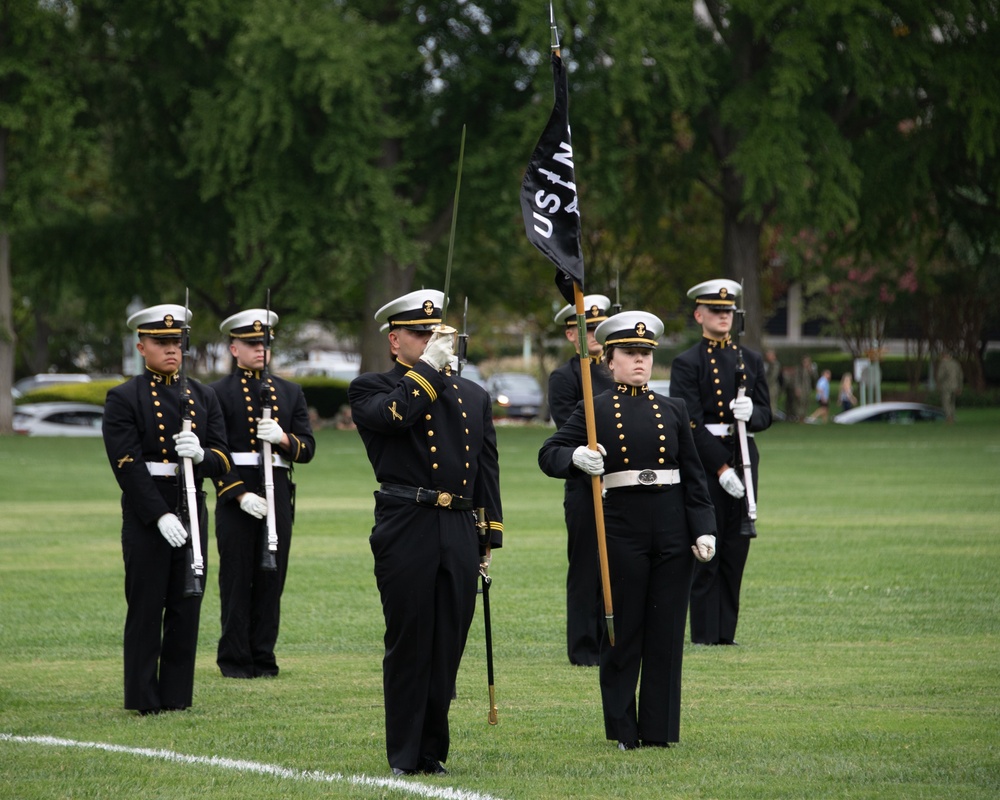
(161, 469)
(253, 460)
(642, 477)
(724, 430)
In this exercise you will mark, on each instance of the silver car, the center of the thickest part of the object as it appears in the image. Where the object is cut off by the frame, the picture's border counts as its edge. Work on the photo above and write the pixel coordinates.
(517, 394)
(58, 419)
(893, 412)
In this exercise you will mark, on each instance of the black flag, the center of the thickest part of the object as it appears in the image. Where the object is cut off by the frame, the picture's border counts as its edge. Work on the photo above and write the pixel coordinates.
(548, 193)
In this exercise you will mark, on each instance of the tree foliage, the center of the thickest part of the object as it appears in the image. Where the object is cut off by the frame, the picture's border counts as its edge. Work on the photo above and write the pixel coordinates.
(311, 148)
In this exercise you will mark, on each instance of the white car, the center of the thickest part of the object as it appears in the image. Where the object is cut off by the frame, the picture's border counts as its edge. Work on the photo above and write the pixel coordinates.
(893, 412)
(58, 419)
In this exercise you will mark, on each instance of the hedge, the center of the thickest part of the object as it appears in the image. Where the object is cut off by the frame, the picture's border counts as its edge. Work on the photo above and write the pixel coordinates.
(326, 395)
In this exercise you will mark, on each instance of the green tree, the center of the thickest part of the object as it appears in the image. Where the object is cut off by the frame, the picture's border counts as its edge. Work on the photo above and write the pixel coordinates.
(43, 147)
(789, 103)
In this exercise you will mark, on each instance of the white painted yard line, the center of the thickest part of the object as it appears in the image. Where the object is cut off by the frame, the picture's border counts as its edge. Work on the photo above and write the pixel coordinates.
(238, 765)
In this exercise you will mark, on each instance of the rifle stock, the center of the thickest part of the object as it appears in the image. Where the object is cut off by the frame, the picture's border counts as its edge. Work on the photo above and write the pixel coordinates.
(189, 497)
(748, 525)
(269, 542)
(269, 548)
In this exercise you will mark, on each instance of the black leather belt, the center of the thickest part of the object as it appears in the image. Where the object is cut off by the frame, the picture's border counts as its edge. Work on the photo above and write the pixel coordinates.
(427, 497)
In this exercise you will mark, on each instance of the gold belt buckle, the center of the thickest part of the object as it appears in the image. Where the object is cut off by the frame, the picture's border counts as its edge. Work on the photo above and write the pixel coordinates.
(444, 499)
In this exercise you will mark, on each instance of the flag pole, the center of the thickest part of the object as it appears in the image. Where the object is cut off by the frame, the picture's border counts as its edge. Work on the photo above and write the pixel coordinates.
(588, 408)
(595, 480)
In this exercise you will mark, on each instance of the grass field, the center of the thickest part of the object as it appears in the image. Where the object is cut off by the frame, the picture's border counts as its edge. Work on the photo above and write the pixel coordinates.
(869, 665)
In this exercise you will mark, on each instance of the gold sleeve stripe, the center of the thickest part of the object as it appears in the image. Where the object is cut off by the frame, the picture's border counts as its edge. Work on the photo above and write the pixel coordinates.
(420, 379)
(225, 459)
(496, 526)
(231, 486)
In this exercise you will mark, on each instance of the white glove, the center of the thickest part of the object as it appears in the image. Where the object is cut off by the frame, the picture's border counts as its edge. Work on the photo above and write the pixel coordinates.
(742, 408)
(439, 350)
(269, 431)
(188, 446)
(589, 461)
(254, 505)
(731, 482)
(704, 547)
(173, 529)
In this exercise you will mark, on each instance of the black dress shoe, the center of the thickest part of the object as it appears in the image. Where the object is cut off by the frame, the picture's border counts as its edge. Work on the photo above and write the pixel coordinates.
(647, 743)
(633, 745)
(399, 772)
(149, 712)
(430, 766)
(729, 642)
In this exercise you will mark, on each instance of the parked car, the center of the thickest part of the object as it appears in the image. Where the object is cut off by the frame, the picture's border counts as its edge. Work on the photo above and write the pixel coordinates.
(898, 413)
(518, 394)
(25, 385)
(660, 387)
(58, 419)
(471, 371)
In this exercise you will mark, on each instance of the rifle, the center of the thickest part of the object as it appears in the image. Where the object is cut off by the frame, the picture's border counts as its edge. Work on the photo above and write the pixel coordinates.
(483, 529)
(748, 527)
(463, 339)
(189, 512)
(269, 542)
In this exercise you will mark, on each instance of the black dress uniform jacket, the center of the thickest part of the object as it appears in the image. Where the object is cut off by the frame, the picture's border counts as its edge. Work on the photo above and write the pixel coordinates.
(705, 378)
(161, 625)
(250, 596)
(584, 599)
(430, 430)
(649, 532)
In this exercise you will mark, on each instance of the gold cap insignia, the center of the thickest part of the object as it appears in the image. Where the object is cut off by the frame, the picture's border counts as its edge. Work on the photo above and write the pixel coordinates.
(640, 329)
(428, 307)
(723, 292)
(257, 326)
(169, 320)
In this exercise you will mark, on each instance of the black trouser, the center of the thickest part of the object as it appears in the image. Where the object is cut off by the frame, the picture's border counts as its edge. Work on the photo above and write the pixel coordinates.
(715, 589)
(426, 567)
(584, 595)
(650, 561)
(251, 597)
(161, 625)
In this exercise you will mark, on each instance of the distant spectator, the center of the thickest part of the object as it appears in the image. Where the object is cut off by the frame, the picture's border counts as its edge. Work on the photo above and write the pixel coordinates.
(822, 398)
(775, 380)
(949, 381)
(805, 379)
(791, 391)
(847, 398)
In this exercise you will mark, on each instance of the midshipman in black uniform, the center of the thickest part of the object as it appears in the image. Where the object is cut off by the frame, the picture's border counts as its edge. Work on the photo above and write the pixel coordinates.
(144, 442)
(658, 519)
(705, 378)
(584, 599)
(430, 438)
(251, 594)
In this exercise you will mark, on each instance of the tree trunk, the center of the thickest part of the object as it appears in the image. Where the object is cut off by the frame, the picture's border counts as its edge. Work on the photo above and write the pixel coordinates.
(389, 280)
(741, 262)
